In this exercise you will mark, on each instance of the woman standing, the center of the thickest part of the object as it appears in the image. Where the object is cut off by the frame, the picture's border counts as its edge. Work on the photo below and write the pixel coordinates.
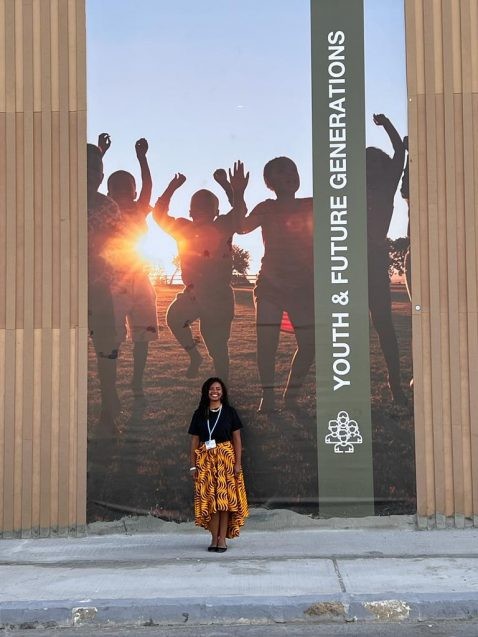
(220, 503)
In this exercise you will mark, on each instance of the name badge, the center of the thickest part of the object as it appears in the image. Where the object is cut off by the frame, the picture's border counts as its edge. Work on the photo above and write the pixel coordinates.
(210, 444)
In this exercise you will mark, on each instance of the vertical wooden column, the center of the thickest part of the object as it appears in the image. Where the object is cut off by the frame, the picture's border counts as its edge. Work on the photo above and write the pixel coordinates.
(43, 273)
(442, 66)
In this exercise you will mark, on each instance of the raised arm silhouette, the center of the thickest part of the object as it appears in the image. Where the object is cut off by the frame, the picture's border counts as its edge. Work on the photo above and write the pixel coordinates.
(133, 294)
(383, 176)
(205, 251)
(286, 280)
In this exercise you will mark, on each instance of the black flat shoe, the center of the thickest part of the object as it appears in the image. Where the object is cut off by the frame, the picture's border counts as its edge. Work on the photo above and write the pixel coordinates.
(212, 549)
(221, 549)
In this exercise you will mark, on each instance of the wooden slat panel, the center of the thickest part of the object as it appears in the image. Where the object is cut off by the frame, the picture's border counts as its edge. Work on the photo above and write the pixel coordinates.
(28, 267)
(444, 499)
(9, 434)
(42, 281)
(47, 221)
(55, 219)
(82, 227)
(38, 251)
(37, 54)
(468, 302)
(3, 219)
(28, 323)
(61, 429)
(82, 314)
(71, 33)
(75, 213)
(64, 256)
(452, 46)
(3, 64)
(472, 248)
(438, 73)
(433, 265)
(414, 21)
(442, 64)
(18, 60)
(422, 457)
(11, 230)
(448, 251)
(46, 59)
(55, 54)
(81, 431)
(62, 25)
(19, 185)
(473, 26)
(26, 45)
(10, 80)
(46, 434)
(17, 424)
(456, 266)
(72, 467)
(55, 431)
(36, 430)
(80, 60)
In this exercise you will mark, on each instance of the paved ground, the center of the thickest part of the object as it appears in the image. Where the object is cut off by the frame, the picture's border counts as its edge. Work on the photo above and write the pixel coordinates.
(461, 628)
(300, 571)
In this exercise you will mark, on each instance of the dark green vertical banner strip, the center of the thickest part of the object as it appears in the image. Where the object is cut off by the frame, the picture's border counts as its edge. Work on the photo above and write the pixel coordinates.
(340, 246)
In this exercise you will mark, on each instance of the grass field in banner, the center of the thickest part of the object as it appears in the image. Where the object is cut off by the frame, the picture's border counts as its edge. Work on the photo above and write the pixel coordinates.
(144, 466)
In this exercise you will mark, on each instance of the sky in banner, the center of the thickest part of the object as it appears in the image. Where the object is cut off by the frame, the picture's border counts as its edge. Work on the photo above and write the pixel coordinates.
(386, 83)
(215, 81)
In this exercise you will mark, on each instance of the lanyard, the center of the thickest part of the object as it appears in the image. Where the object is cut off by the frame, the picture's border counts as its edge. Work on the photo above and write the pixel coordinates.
(214, 427)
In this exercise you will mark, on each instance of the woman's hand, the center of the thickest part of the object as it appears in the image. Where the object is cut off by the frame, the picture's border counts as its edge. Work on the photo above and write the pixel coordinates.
(193, 472)
(237, 468)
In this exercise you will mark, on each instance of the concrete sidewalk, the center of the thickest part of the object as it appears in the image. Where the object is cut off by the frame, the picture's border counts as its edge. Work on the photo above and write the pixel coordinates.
(284, 567)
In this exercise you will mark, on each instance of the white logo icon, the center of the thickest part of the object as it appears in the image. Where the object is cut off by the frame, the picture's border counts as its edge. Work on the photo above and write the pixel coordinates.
(344, 434)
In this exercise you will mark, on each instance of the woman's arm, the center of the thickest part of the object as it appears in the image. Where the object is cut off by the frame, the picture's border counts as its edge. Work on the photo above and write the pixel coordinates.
(237, 444)
(194, 446)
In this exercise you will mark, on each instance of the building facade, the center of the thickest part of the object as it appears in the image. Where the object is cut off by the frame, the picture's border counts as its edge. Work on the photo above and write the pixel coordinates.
(43, 280)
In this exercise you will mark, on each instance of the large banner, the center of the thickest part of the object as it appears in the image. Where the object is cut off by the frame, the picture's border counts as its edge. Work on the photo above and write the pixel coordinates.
(343, 389)
(296, 298)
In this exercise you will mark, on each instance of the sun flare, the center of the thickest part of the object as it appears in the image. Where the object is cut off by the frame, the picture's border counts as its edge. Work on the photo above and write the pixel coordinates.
(156, 248)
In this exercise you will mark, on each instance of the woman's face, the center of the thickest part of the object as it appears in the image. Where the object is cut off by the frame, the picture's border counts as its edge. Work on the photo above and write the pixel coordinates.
(215, 391)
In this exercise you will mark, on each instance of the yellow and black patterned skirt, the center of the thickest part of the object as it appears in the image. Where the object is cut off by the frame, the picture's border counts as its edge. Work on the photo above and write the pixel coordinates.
(218, 489)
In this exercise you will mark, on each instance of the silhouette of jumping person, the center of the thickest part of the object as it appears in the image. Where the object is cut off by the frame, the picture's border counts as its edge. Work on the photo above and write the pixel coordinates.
(383, 176)
(104, 222)
(133, 295)
(205, 253)
(286, 279)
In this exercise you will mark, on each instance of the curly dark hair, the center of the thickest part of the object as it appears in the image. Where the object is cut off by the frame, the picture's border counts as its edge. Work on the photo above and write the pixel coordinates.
(203, 406)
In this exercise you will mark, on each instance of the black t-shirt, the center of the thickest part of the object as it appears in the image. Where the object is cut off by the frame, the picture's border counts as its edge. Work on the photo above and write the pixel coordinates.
(227, 423)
